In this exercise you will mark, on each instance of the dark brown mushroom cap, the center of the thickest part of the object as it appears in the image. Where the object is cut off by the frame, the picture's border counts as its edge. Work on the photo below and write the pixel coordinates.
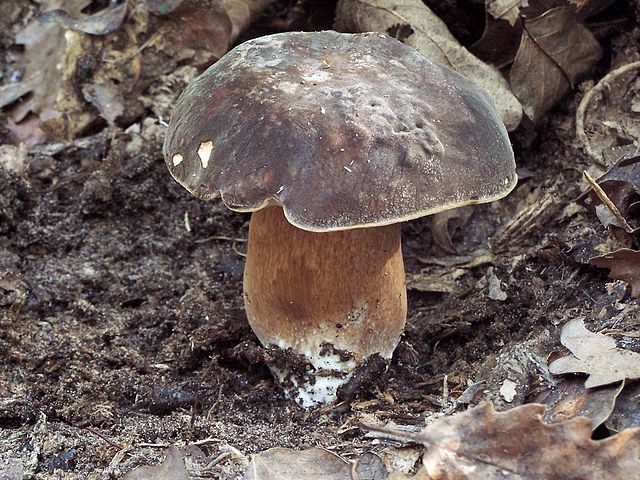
(342, 130)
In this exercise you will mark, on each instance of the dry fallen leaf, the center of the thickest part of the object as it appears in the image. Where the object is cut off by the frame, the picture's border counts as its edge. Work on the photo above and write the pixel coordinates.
(556, 51)
(571, 399)
(369, 467)
(481, 444)
(172, 468)
(444, 224)
(607, 124)
(626, 413)
(64, 67)
(49, 64)
(508, 10)
(499, 42)
(624, 264)
(415, 25)
(281, 463)
(107, 98)
(102, 22)
(621, 184)
(595, 354)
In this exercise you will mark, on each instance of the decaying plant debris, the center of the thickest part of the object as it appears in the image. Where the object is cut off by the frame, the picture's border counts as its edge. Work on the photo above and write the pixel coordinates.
(124, 347)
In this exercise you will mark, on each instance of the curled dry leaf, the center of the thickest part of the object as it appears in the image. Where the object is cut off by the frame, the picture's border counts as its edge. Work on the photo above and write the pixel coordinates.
(610, 110)
(555, 52)
(444, 224)
(499, 42)
(414, 24)
(312, 464)
(626, 413)
(243, 13)
(595, 354)
(624, 264)
(482, 444)
(49, 64)
(508, 10)
(100, 23)
(197, 33)
(240, 14)
(571, 399)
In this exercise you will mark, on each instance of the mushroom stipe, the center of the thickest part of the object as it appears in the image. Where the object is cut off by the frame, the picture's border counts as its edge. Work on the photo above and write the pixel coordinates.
(321, 294)
(331, 161)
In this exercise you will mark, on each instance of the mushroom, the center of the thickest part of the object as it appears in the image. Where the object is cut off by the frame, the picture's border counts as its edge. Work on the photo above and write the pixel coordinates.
(333, 140)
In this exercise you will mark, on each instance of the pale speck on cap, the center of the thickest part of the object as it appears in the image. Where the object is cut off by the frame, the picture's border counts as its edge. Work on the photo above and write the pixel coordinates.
(177, 159)
(204, 152)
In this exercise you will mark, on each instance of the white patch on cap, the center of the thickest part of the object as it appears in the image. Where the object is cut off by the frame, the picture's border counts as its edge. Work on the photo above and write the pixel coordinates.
(177, 159)
(204, 152)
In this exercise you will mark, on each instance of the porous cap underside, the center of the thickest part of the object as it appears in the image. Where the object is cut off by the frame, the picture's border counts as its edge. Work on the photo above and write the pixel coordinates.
(341, 130)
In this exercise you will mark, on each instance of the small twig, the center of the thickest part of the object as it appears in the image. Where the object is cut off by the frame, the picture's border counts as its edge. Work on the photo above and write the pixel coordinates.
(221, 237)
(586, 100)
(445, 391)
(609, 204)
(103, 437)
(236, 251)
(131, 55)
(205, 441)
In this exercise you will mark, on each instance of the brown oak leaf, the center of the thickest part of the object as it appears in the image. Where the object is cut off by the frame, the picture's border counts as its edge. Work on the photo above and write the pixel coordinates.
(595, 354)
(623, 264)
(484, 444)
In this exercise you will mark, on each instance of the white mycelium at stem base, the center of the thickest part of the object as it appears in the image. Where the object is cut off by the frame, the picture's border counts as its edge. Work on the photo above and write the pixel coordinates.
(335, 298)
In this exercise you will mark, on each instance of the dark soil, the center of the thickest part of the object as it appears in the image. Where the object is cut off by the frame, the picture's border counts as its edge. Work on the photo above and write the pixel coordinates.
(122, 323)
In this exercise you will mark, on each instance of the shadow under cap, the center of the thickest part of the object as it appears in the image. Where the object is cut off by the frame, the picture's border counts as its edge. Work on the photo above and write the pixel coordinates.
(341, 130)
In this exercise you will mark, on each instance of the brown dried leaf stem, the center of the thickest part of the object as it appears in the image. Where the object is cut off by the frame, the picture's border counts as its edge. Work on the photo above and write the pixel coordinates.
(586, 100)
(607, 201)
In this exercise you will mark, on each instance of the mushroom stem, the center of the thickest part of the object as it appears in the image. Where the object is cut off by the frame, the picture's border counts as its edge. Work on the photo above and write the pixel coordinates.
(336, 298)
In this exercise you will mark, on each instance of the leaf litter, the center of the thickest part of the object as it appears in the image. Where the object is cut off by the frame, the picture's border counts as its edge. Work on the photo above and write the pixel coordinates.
(555, 53)
(623, 264)
(479, 443)
(596, 355)
(548, 48)
(431, 37)
(570, 399)
(62, 73)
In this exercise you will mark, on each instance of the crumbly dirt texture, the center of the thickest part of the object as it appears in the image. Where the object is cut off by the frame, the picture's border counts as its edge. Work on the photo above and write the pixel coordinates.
(122, 328)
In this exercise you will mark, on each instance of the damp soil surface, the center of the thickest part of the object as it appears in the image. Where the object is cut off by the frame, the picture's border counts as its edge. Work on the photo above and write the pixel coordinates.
(122, 328)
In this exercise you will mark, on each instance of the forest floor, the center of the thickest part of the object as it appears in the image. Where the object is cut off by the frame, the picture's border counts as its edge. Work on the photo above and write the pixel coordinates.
(122, 329)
